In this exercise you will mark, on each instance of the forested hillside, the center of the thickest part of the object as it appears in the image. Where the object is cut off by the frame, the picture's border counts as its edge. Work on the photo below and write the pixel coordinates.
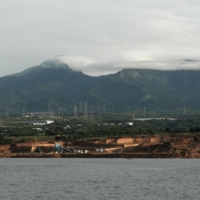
(54, 83)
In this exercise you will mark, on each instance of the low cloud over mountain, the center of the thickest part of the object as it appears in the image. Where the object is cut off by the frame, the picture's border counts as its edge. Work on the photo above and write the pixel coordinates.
(133, 60)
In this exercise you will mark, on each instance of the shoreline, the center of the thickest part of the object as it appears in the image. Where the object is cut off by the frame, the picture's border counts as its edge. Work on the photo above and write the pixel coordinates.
(168, 146)
(103, 155)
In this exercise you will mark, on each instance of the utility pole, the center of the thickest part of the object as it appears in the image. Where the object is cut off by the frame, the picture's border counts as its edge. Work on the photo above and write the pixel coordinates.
(23, 112)
(75, 111)
(154, 113)
(81, 109)
(133, 116)
(7, 111)
(85, 110)
(59, 112)
(52, 113)
(99, 110)
(49, 110)
(104, 108)
(1, 122)
(91, 115)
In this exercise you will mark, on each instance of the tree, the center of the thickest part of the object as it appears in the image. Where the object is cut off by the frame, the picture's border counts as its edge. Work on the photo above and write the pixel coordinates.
(50, 132)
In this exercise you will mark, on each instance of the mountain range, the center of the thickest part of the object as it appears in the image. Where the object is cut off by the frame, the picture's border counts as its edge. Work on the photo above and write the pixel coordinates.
(54, 84)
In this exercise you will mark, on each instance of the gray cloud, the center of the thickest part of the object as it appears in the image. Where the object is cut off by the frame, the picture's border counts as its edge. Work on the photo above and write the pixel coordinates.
(99, 37)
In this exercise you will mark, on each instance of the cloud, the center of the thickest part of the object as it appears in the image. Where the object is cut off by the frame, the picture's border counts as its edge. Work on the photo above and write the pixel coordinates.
(76, 62)
(99, 37)
(134, 60)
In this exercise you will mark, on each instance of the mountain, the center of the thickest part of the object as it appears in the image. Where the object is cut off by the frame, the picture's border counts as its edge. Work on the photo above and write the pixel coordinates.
(51, 78)
(55, 83)
(155, 89)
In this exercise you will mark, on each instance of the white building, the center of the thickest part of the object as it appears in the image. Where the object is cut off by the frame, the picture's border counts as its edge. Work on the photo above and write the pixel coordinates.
(129, 123)
(43, 122)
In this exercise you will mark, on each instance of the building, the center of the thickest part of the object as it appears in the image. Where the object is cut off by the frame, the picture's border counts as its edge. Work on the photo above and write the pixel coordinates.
(129, 123)
(43, 122)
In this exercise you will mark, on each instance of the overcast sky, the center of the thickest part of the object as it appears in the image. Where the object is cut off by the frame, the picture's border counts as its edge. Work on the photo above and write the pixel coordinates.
(100, 36)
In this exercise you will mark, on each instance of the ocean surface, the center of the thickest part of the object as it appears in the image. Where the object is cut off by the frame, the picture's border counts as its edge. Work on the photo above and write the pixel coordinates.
(91, 179)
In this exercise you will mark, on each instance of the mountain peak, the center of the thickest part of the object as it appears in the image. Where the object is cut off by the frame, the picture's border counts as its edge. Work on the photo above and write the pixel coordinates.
(54, 63)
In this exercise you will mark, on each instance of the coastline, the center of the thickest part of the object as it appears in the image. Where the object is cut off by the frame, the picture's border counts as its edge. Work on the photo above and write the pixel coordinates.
(103, 155)
(168, 146)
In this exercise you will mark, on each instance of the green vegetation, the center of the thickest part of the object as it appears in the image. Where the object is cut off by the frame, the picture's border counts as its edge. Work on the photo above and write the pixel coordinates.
(108, 125)
(4, 140)
(169, 92)
(101, 106)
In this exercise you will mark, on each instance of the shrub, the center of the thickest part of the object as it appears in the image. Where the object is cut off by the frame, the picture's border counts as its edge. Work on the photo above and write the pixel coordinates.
(167, 144)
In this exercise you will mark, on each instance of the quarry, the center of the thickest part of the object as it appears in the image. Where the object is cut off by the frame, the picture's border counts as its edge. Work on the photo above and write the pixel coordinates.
(157, 146)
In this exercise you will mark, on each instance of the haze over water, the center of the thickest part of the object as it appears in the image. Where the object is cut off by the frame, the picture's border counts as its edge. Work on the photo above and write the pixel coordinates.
(91, 179)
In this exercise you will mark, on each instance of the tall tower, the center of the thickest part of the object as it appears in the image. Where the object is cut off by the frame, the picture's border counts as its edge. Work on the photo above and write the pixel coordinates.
(1, 124)
(104, 108)
(52, 113)
(23, 112)
(75, 111)
(85, 110)
(91, 115)
(99, 110)
(81, 108)
(7, 111)
(184, 110)
(133, 116)
(49, 110)
(59, 112)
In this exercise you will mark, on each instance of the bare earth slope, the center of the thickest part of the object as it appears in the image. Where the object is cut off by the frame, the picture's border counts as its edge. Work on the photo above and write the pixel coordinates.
(178, 146)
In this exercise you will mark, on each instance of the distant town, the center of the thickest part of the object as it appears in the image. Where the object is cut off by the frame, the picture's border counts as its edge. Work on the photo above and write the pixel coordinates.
(109, 135)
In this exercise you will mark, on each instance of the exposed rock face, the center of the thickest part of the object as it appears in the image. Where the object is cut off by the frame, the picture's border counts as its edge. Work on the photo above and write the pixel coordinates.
(177, 146)
(110, 141)
(125, 140)
(4, 147)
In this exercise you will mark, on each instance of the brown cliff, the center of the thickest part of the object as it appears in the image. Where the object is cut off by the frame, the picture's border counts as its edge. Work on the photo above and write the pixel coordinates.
(168, 146)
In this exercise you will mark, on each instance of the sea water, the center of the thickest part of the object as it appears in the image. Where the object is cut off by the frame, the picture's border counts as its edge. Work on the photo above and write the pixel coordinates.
(91, 179)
